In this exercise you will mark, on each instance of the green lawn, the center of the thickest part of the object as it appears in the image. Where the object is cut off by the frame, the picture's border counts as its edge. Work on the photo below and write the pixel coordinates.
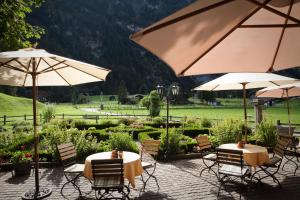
(232, 109)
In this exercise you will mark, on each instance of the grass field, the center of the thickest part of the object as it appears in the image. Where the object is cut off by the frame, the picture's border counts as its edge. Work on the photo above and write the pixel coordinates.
(232, 109)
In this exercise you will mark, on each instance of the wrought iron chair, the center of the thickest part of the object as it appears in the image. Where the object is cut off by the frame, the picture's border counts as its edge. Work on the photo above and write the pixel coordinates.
(72, 170)
(230, 165)
(109, 178)
(205, 147)
(151, 147)
(275, 163)
(291, 153)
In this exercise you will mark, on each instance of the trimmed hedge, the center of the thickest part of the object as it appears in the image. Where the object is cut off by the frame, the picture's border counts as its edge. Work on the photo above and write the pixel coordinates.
(97, 126)
(155, 135)
(163, 125)
(194, 132)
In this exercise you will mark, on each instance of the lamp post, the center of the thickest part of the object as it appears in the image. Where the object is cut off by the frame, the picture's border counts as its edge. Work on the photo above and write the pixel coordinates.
(172, 91)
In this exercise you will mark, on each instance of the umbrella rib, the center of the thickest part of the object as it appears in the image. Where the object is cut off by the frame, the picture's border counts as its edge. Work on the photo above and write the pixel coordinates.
(50, 66)
(27, 72)
(46, 71)
(14, 68)
(38, 64)
(83, 71)
(22, 64)
(271, 26)
(280, 38)
(276, 11)
(222, 38)
(183, 17)
(62, 77)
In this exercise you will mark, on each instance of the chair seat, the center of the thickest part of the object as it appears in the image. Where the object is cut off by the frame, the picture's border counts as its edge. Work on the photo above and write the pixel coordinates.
(273, 161)
(211, 156)
(76, 168)
(233, 170)
(107, 182)
(147, 165)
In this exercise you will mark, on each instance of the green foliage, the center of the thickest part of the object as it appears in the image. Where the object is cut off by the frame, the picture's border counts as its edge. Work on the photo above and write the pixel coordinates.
(148, 135)
(126, 120)
(226, 131)
(154, 108)
(266, 134)
(20, 157)
(61, 123)
(22, 126)
(173, 141)
(206, 123)
(16, 32)
(48, 112)
(194, 132)
(158, 120)
(191, 122)
(123, 142)
(145, 102)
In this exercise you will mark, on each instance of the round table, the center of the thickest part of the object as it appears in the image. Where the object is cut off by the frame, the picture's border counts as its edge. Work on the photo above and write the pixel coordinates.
(132, 165)
(253, 155)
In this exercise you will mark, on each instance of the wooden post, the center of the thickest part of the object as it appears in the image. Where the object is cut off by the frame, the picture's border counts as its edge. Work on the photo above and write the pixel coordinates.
(25, 117)
(278, 122)
(96, 119)
(4, 119)
(63, 116)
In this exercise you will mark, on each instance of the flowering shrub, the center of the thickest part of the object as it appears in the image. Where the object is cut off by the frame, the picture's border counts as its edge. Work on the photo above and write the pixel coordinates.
(20, 156)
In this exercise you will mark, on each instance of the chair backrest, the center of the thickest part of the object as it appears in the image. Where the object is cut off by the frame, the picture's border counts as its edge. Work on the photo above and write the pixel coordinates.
(203, 142)
(151, 147)
(230, 157)
(108, 168)
(67, 153)
(284, 130)
(280, 147)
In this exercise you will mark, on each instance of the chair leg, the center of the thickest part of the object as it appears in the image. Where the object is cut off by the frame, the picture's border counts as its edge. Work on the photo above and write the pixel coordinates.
(150, 175)
(208, 167)
(73, 182)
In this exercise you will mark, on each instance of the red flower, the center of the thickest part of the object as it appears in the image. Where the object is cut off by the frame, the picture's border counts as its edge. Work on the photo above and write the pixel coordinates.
(23, 147)
(27, 155)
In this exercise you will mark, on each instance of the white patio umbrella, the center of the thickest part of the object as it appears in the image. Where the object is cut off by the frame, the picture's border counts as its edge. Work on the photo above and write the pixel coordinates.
(36, 67)
(284, 91)
(243, 81)
(222, 36)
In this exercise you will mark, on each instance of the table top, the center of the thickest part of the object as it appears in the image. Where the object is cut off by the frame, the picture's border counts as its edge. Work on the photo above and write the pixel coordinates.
(249, 148)
(128, 157)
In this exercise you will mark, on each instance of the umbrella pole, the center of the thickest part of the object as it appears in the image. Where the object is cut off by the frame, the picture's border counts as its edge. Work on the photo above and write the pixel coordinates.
(288, 109)
(36, 138)
(245, 111)
(37, 193)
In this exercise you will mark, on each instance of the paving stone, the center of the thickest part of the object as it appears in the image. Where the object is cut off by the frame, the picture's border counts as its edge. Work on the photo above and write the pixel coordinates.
(178, 180)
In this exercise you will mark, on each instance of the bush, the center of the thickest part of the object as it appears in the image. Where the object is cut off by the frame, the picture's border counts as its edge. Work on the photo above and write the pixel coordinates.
(61, 123)
(158, 120)
(194, 132)
(192, 122)
(123, 142)
(173, 142)
(22, 126)
(154, 107)
(226, 131)
(154, 135)
(206, 123)
(126, 120)
(48, 112)
(266, 134)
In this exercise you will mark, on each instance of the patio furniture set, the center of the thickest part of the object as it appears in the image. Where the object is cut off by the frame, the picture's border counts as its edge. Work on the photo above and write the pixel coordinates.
(251, 164)
(106, 173)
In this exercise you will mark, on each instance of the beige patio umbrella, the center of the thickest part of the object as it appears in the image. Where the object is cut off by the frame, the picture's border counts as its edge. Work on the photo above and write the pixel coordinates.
(284, 91)
(36, 67)
(219, 36)
(243, 81)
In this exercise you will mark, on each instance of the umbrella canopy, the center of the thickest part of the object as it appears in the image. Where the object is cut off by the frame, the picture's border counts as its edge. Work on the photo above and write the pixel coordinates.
(51, 70)
(36, 67)
(284, 91)
(235, 81)
(243, 81)
(218, 36)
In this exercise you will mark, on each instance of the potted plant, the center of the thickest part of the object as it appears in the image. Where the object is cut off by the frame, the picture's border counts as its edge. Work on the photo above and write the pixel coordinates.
(21, 163)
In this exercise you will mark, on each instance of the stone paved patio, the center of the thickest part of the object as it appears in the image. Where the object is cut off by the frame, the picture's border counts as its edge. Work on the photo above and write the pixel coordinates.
(177, 180)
